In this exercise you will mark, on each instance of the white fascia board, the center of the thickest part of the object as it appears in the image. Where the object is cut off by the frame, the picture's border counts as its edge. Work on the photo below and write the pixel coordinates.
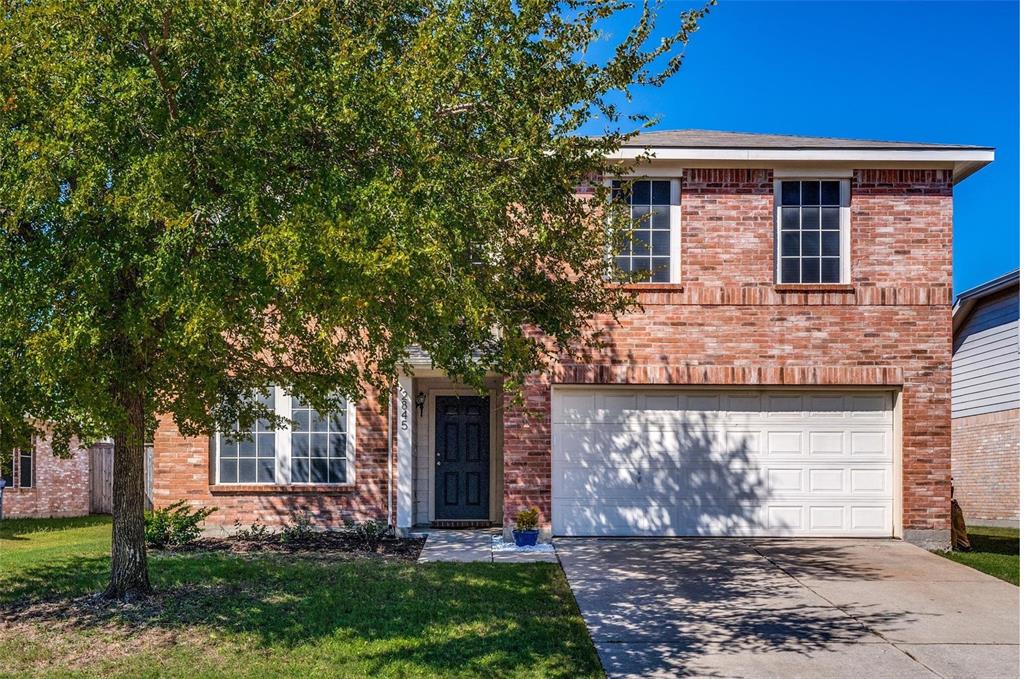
(828, 155)
(963, 162)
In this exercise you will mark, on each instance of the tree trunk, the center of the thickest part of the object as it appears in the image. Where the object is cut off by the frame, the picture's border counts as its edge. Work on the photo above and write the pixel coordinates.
(129, 574)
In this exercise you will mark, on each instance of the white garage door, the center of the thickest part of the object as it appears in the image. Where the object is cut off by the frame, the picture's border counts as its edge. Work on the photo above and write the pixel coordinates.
(670, 462)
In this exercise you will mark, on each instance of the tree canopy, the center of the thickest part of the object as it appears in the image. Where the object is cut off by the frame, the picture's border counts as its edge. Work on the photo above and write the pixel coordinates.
(198, 199)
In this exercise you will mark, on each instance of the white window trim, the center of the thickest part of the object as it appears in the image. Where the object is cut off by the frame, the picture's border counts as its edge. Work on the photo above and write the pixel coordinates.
(283, 448)
(844, 226)
(675, 212)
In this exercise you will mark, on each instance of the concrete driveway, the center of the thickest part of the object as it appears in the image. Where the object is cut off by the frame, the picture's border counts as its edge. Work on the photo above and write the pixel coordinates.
(789, 608)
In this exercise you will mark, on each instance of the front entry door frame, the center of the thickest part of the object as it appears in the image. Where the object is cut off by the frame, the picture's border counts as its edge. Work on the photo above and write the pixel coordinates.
(430, 420)
(462, 474)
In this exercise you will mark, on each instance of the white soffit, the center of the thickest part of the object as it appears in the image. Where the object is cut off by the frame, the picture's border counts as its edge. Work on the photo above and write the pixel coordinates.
(963, 162)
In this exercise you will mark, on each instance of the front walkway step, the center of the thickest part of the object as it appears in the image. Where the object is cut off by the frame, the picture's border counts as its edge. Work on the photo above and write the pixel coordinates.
(473, 546)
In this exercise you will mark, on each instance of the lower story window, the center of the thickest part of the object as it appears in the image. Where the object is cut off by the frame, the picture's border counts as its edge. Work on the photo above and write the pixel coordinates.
(17, 467)
(7, 467)
(314, 448)
(319, 445)
(26, 468)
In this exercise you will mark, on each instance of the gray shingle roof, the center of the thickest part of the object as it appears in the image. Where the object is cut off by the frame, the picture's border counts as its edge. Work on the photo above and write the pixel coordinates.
(748, 140)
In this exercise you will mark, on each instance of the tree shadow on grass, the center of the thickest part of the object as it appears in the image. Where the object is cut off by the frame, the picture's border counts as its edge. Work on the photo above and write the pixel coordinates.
(364, 615)
(17, 529)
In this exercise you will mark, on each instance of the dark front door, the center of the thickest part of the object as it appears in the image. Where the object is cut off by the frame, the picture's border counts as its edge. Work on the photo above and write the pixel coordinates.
(462, 458)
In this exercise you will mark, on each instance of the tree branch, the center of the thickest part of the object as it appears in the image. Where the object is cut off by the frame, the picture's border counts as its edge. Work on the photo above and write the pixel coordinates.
(161, 76)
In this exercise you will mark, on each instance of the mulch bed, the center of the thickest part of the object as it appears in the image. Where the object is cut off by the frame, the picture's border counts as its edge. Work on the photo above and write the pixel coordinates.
(329, 543)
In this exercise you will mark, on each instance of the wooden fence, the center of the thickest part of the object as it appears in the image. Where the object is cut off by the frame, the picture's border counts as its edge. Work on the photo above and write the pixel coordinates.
(101, 478)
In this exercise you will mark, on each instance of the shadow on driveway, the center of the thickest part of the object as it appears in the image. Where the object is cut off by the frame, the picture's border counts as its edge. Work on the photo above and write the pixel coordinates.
(761, 607)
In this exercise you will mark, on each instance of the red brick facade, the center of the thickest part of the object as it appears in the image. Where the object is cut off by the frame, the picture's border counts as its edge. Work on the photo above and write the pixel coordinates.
(728, 324)
(181, 470)
(725, 323)
(986, 465)
(60, 486)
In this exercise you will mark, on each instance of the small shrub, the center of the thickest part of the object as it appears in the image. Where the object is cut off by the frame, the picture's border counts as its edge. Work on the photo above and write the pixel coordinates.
(301, 528)
(528, 519)
(257, 532)
(371, 533)
(175, 524)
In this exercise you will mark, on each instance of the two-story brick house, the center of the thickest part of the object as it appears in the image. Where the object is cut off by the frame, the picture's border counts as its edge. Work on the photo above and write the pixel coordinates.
(788, 374)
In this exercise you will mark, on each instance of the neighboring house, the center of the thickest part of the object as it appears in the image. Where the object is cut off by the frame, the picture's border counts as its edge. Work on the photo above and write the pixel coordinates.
(789, 373)
(41, 485)
(986, 401)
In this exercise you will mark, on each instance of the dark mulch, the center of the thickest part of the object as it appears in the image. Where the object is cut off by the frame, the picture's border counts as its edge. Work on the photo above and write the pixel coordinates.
(333, 544)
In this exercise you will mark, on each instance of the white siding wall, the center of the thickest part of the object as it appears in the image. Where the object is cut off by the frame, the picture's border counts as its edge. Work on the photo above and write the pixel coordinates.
(986, 368)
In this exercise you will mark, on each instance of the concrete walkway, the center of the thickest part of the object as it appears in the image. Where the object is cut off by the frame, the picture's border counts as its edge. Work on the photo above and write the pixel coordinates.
(473, 545)
(789, 608)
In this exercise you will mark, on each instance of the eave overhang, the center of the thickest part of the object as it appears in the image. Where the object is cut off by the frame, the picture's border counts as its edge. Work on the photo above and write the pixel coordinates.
(963, 162)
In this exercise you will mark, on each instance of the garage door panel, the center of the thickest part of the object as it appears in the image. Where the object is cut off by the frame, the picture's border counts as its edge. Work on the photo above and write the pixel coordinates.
(871, 406)
(684, 462)
(870, 518)
(604, 444)
(711, 484)
(875, 444)
(624, 518)
(744, 404)
(617, 483)
(785, 404)
(785, 444)
(827, 480)
(871, 481)
(786, 480)
(825, 444)
(785, 519)
(827, 517)
(744, 442)
(735, 520)
(831, 404)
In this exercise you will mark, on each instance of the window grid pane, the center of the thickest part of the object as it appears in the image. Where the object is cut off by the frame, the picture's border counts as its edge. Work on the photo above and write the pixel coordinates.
(650, 247)
(809, 232)
(319, 445)
(249, 456)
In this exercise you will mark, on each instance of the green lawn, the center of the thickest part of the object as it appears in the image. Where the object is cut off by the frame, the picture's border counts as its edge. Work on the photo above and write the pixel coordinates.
(222, 615)
(995, 551)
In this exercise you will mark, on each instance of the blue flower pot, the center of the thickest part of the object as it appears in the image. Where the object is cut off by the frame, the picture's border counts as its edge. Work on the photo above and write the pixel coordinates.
(525, 538)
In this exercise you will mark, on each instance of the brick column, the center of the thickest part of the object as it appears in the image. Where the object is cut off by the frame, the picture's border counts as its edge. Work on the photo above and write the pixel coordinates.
(527, 453)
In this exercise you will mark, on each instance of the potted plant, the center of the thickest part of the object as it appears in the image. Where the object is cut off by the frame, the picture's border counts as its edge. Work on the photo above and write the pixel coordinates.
(526, 532)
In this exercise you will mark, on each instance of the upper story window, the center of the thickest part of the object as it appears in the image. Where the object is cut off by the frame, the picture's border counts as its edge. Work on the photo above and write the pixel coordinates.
(652, 251)
(316, 448)
(812, 235)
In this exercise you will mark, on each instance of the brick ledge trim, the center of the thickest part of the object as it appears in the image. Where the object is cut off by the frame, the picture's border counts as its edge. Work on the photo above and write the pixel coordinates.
(577, 373)
(274, 489)
(756, 295)
(984, 419)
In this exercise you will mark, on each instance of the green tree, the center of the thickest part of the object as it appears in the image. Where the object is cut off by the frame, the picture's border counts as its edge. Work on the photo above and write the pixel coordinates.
(202, 198)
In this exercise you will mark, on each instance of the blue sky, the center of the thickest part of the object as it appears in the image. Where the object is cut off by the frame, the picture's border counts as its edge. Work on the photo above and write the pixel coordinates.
(911, 71)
